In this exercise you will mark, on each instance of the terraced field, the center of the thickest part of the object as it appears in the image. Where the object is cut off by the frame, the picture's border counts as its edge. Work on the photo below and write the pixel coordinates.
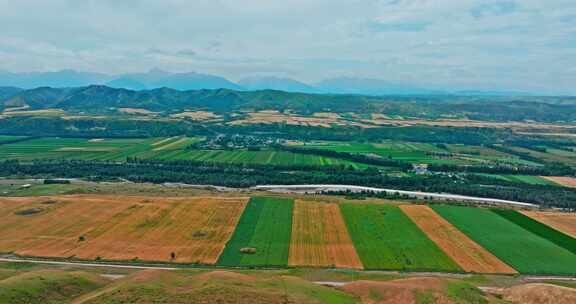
(516, 246)
(320, 237)
(262, 237)
(385, 238)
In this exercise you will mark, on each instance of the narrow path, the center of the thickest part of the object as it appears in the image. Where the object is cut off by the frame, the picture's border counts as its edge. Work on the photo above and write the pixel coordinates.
(142, 267)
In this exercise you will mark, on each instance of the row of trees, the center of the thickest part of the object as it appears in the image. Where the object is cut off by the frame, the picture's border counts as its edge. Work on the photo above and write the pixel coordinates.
(231, 175)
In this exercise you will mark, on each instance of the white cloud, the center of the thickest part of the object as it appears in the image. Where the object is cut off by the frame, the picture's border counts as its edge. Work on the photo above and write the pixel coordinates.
(498, 44)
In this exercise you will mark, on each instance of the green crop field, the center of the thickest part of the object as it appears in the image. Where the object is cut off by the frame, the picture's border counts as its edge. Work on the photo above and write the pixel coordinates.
(385, 238)
(173, 148)
(532, 180)
(516, 246)
(526, 179)
(266, 157)
(266, 226)
(8, 138)
(424, 152)
(565, 241)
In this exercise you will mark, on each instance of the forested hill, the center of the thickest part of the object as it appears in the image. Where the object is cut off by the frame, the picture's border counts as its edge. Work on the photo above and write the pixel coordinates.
(93, 99)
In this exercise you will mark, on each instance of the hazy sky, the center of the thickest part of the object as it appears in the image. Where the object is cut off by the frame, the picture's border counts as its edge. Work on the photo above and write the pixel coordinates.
(491, 44)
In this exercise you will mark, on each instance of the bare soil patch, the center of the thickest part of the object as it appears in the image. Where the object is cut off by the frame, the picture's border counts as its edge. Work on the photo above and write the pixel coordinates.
(403, 291)
(536, 293)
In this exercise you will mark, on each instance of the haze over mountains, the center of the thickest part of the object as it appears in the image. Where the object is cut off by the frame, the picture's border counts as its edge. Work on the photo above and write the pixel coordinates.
(157, 78)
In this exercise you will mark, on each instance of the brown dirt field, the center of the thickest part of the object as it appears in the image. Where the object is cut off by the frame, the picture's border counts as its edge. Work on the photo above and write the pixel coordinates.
(323, 243)
(196, 115)
(465, 252)
(537, 293)
(401, 291)
(564, 222)
(275, 117)
(136, 111)
(562, 180)
(120, 228)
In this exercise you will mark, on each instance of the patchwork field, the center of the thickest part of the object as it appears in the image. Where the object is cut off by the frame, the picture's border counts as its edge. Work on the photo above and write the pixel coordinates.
(523, 250)
(565, 241)
(532, 180)
(564, 222)
(320, 237)
(423, 152)
(468, 254)
(171, 148)
(562, 180)
(194, 229)
(385, 238)
(262, 237)
(280, 232)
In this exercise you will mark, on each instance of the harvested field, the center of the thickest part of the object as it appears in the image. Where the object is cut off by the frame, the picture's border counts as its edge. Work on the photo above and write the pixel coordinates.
(196, 115)
(467, 253)
(564, 222)
(320, 237)
(275, 117)
(562, 180)
(194, 229)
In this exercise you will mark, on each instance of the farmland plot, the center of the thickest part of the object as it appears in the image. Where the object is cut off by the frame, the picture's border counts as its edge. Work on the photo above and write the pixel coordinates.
(262, 237)
(320, 237)
(467, 253)
(562, 180)
(385, 238)
(565, 241)
(514, 245)
(194, 229)
(564, 222)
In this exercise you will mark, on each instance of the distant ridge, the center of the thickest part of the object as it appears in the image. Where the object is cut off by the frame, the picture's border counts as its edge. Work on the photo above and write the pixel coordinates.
(156, 78)
(104, 99)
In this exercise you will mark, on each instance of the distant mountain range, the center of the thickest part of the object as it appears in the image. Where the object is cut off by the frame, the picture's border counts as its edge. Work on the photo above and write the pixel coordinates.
(156, 78)
(99, 99)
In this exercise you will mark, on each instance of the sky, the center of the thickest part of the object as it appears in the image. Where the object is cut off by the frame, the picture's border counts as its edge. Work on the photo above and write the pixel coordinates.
(525, 45)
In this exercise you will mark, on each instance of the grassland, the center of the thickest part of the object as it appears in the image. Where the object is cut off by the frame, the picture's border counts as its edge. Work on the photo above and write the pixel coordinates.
(93, 227)
(265, 229)
(565, 241)
(385, 238)
(41, 287)
(516, 246)
(320, 237)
